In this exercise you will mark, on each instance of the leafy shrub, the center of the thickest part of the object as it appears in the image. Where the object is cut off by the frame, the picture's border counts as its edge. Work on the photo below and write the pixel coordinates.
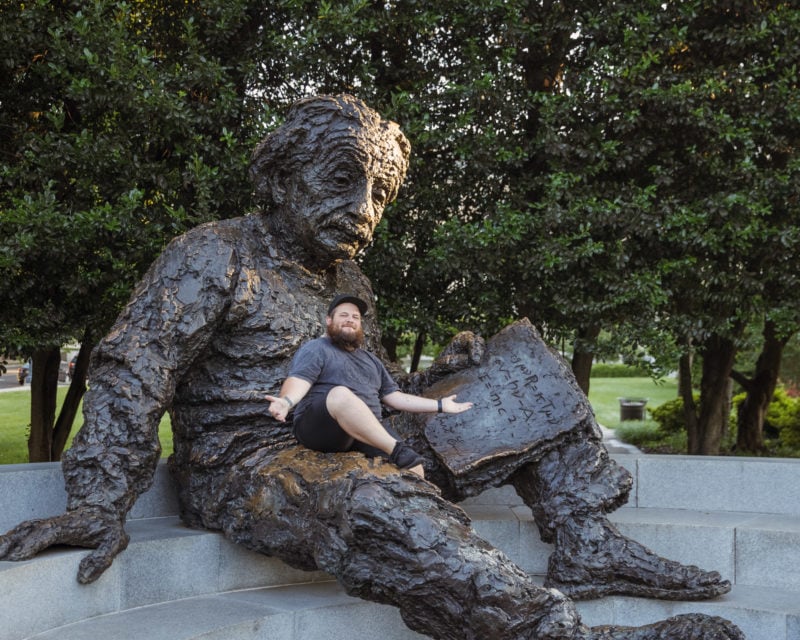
(784, 414)
(782, 420)
(617, 370)
(669, 415)
(651, 439)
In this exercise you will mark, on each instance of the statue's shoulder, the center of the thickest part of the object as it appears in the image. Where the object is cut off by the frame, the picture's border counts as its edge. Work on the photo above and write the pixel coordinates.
(236, 232)
(223, 242)
(213, 249)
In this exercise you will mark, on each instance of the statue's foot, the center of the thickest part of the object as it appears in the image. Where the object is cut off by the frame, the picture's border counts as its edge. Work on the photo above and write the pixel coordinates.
(693, 626)
(600, 561)
(562, 622)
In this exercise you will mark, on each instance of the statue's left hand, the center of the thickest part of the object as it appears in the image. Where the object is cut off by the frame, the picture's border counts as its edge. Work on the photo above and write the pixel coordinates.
(465, 350)
(88, 527)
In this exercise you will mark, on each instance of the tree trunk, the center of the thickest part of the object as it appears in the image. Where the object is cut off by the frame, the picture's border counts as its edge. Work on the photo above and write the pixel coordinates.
(685, 374)
(718, 357)
(390, 346)
(44, 384)
(689, 407)
(69, 409)
(759, 390)
(582, 358)
(419, 344)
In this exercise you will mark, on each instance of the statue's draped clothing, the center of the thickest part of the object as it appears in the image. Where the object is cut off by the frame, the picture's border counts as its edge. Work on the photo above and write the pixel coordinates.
(209, 332)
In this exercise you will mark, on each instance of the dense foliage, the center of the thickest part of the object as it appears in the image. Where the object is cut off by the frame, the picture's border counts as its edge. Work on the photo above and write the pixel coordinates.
(121, 125)
(623, 173)
(782, 426)
(617, 370)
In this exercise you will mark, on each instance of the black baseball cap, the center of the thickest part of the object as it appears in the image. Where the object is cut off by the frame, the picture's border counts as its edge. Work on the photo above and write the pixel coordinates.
(346, 297)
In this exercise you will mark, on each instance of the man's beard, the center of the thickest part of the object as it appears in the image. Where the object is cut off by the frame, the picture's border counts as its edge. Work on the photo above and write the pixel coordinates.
(349, 341)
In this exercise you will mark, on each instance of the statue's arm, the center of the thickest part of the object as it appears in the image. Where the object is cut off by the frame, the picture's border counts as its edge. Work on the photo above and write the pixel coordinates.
(169, 320)
(171, 317)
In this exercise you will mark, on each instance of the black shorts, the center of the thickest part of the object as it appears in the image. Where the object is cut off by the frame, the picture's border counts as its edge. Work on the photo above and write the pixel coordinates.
(316, 429)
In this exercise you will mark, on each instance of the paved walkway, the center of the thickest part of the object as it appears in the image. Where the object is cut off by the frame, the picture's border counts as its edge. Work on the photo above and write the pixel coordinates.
(616, 446)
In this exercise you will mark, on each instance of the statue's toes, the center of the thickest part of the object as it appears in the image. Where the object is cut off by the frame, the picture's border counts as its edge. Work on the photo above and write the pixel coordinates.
(693, 626)
(633, 570)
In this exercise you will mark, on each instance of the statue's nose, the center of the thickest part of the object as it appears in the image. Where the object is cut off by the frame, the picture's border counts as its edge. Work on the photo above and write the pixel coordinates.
(364, 208)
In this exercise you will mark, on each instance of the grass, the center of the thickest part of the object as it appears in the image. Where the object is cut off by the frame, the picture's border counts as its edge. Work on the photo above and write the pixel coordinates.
(15, 420)
(604, 394)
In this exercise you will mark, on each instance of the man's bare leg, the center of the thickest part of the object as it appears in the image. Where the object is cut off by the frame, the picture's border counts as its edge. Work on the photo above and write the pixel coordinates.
(358, 421)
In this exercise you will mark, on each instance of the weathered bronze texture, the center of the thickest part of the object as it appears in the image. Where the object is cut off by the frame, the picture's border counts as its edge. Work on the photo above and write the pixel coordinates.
(210, 331)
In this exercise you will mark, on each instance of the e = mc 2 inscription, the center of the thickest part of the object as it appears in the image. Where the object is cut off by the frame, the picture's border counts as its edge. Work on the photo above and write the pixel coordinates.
(521, 402)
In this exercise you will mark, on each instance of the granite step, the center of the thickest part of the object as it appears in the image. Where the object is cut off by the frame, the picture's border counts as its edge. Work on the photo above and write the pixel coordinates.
(168, 562)
(322, 611)
(315, 611)
(738, 516)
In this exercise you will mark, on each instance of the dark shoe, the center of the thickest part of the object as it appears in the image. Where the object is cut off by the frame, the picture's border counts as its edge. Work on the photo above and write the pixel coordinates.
(404, 456)
(692, 626)
(599, 561)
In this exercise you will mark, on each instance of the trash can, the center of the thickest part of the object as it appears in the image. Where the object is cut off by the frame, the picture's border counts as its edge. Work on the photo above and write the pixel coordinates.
(632, 408)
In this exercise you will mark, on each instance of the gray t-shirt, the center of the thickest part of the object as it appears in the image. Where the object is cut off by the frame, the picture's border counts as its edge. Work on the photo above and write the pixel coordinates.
(325, 366)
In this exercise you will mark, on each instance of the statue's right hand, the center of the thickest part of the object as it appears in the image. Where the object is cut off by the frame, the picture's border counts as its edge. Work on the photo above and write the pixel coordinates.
(88, 527)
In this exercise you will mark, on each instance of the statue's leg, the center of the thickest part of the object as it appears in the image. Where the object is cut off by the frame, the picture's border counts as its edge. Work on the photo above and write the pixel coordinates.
(389, 537)
(570, 491)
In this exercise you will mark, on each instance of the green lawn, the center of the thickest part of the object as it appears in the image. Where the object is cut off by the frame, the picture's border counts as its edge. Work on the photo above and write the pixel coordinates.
(604, 395)
(15, 410)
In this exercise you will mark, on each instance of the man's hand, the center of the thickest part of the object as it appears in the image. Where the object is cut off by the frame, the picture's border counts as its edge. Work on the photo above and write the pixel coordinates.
(88, 527)
(449, 405)
(278, 408)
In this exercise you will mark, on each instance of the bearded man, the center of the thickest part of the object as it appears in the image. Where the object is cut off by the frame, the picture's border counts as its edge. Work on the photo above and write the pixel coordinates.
(339, 389)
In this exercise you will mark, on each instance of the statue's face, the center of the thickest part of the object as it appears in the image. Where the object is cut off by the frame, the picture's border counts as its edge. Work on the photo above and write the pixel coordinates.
(334, 202)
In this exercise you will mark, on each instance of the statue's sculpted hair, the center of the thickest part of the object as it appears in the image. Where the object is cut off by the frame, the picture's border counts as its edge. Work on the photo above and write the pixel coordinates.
(315, 123)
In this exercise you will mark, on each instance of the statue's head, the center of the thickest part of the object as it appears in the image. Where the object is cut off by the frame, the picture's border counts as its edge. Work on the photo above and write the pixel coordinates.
(327, 173)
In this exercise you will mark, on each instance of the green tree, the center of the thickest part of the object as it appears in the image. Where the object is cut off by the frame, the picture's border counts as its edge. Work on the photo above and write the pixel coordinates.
(665, 205)
(623, 169)
(121, 125)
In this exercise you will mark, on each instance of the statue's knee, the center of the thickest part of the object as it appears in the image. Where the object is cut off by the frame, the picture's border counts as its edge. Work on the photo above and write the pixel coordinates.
(392, 503)
(373, 500)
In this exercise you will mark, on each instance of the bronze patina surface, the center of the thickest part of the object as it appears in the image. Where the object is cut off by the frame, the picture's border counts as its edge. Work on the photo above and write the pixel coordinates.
(210, 331)
(524, 403)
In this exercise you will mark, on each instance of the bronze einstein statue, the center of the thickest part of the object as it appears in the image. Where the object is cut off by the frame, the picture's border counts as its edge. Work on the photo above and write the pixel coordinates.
(258, 333)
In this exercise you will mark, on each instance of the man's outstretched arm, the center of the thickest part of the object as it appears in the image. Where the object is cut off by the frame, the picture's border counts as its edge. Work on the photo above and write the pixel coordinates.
(417, 404)
(292, 391)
